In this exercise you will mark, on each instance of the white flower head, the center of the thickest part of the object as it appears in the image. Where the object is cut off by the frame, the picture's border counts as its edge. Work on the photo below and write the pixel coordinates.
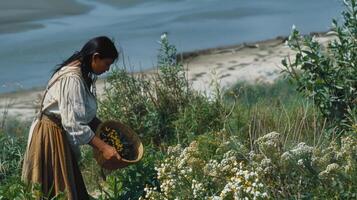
(300, 162)
(163, 36)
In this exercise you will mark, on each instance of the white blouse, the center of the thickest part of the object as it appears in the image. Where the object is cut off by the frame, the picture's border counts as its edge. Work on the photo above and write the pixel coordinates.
(71, 100)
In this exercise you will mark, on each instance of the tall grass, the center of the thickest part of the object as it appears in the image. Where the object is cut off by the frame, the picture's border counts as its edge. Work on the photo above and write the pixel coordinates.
(263, 108)
(13, 135)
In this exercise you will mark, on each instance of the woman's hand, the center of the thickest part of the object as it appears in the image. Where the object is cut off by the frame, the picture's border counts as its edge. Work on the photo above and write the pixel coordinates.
(108, 152)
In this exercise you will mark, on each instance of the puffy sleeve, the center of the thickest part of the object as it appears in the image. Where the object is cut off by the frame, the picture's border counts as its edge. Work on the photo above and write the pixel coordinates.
(76, 110)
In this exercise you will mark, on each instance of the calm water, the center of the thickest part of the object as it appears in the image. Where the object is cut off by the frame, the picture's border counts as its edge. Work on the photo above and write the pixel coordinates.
(27, 58)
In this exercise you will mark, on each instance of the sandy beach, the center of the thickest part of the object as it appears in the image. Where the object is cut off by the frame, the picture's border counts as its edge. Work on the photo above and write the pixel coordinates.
(251, 63)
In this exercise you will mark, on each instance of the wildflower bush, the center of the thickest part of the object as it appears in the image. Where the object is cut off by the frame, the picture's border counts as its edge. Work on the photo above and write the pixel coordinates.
(305, 171)
(218, 171)
(328, 74)
(337, 164)
(223, 174)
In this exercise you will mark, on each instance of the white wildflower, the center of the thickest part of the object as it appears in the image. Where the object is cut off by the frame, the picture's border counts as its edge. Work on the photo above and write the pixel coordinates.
(163, 36)
(300, 162)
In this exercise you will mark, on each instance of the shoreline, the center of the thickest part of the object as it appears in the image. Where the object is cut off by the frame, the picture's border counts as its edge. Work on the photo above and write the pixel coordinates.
(241, 46)
(255, 62)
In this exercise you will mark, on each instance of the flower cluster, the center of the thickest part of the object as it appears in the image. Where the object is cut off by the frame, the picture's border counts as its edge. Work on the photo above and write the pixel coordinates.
(299, 155)
(185, 174)
(244, 184)
(176, 174)
(270, 142)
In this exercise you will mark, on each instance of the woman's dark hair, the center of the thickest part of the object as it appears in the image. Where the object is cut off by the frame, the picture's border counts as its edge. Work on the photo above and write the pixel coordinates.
(102, 45)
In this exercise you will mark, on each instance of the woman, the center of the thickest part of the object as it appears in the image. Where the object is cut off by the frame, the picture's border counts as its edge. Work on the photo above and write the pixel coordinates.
(67, 119)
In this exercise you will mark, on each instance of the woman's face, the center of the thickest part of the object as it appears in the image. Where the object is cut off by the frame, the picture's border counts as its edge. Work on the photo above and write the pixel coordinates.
(100, 65)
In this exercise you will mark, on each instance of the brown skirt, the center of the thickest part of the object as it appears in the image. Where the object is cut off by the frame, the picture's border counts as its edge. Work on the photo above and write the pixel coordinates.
(50, 162)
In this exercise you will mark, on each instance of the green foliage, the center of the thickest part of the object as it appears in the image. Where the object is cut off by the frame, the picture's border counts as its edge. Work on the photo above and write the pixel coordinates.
(147, 104)
(13, 142)
(125, 100)
(278, 93)
(16, 189)
(11, 153)
(200, 116)
(12, 150)
(171, 89)
(172, 74)
(129, 183)
(328, 74)
(15, 127)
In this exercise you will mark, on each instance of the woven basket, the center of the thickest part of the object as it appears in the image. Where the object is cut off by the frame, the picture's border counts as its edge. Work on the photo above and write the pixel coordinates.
(130, 136)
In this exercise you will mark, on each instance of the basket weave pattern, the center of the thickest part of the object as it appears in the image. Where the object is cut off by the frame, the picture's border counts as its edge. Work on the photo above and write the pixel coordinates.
(130, 135)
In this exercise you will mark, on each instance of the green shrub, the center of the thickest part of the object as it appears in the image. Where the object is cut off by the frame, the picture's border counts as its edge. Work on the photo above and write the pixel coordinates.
(328, 75)
(125, 100)
(148, 104)
(16, 189)
(200, 116)
(159, 106)
(280, 92)
(129, 183)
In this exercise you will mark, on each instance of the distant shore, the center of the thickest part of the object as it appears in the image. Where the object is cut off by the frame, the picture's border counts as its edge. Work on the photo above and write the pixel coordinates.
(258, 62)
